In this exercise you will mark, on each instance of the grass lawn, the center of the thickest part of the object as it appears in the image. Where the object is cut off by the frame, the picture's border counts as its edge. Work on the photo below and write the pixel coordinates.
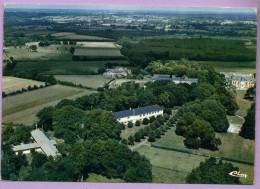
(22, 108)
(63, 67)
(173, 167)
(233, 146)
(243, 104)
(127, 132)
(240, 67)
(165, 175)
(99, 178)
(93, 81)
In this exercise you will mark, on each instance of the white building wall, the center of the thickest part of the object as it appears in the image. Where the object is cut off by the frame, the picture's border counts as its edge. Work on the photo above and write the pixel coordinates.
(135, 118)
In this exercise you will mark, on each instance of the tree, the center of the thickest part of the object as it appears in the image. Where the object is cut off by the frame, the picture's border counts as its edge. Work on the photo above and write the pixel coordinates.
(204, 90)
(248, 128)
(145, 121)
(45, 118)
(138, 136)
(137, 123)
(152, 119)
(213, 172)
(72, 50)
(151, 136)
(33, 48)
(157, 133)
(130, 124)
(250, 93)
(131, 140)
(38, 159)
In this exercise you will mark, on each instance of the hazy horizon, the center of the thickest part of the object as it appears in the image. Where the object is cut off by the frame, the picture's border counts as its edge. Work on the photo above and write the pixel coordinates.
(130, 8)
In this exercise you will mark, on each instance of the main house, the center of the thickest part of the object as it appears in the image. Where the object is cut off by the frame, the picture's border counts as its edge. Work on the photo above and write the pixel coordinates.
(240, 81)
(138, 114)
(175, 79)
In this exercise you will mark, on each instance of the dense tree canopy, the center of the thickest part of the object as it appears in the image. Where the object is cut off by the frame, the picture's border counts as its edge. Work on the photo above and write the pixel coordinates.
(213, 171)
(248, 128)
(199, 120)
(141, 53)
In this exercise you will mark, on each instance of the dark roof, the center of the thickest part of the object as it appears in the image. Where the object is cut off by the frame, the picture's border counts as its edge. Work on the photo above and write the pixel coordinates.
(163, 77)
(137, 111)
(158, 77)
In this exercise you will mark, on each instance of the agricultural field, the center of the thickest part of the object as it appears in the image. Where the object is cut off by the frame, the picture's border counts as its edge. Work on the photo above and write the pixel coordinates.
(92, 81)
(65, 67)
(12, 84)
(74, 36)
(229, 148)
(98, 53)
(22, 108)
(51, 52)
(172, 167)
(236, 67)
(97, 44)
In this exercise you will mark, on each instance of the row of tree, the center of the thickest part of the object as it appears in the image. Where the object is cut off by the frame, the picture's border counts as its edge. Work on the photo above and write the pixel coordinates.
(29, 88)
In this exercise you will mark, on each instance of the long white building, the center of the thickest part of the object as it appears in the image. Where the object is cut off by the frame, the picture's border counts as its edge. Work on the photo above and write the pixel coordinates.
(138, 114)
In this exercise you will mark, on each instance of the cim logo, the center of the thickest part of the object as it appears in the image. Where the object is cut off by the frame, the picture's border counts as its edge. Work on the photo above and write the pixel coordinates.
(237, 174)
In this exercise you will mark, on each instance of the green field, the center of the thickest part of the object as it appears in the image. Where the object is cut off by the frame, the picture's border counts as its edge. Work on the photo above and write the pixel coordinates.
(99, 178)
(233, 146)
(93, 81)
(51, 52)
(175, 165)
(22, 108)
(62, 67)
(172, 167)
(239, 67)
(57, 60)
(12, 84)
(74, 36)
(98, 53)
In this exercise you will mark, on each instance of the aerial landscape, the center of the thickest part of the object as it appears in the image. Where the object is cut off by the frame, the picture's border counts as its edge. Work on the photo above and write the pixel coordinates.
(156, 95)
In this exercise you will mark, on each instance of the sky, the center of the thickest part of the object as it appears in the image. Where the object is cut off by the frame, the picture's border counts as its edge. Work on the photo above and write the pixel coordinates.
(131, 8)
